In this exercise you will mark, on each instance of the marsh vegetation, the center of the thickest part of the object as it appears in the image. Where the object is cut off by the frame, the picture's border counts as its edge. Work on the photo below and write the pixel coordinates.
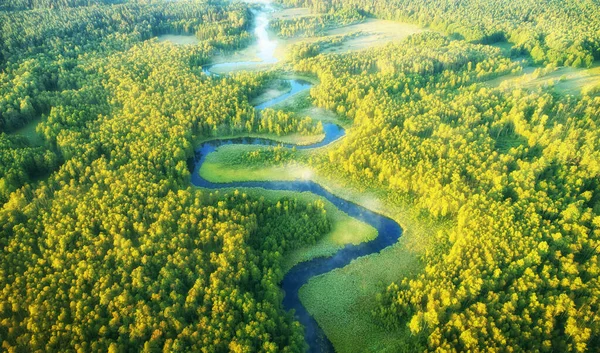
(167, 168)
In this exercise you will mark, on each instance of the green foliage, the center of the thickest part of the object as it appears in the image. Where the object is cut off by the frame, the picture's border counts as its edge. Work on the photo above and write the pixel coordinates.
(518, 172)
(40, 47)
(310, 26)
(113, 251)
(281, 123)
(591, 89)
(188, 271)
(20, 163)
(270, 155)
(12, 5)
(554, 31)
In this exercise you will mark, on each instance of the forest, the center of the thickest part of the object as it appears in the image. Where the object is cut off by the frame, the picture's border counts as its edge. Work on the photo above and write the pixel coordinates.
(550, 31)
(517, 171)
(106, 246)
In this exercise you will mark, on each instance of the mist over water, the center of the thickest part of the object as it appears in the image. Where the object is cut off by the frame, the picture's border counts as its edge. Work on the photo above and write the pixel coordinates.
(388, 230)
(266, 46)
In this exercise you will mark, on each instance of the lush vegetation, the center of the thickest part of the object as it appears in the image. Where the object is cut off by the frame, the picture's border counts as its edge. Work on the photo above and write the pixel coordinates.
(40, 47)
(282, 123)
(309, 26)
(516, 171)
(556, 31)
(56, 4)
(112, 250)
(106, 247)
(21, 163)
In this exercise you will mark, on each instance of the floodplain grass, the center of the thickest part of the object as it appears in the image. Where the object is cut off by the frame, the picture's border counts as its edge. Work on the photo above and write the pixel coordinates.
(292, 13)
(227, 164)
(564, 80)
(342, 300)
(272, 90)
(373, 32)
(179, 39)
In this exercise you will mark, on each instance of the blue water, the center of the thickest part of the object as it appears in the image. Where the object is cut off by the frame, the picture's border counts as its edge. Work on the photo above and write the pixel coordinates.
(389, 231)
(297, 87)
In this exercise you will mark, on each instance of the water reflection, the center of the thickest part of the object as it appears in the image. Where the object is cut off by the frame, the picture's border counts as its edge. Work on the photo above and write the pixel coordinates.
(388, 230)
(266, 46)
(297, 87)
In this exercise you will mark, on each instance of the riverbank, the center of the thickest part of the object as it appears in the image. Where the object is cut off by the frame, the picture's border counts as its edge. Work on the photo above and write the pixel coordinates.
(342, 300)
(338, 290)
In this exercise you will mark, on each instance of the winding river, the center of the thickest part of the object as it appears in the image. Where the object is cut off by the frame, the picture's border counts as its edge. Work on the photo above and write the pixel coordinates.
(388, 230)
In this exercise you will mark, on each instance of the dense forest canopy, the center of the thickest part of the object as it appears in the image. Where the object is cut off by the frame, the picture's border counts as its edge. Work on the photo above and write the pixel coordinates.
(40, 46)
(104, 246)
(518, 172)
(15, 5)
(554, 31)
(113, 251)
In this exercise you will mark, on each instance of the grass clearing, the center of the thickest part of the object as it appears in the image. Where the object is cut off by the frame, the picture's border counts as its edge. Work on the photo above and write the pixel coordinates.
(273, 90)
(505, 47)
(291, 13)
(564, 80)
(217, 173)
(28, 131)
(179, 39)
(374, 32)
(342, 300)
(224, 166)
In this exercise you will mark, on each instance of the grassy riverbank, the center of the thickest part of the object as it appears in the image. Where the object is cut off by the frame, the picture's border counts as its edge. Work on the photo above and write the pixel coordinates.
(344, 229)
(342, 300)
(295, 139)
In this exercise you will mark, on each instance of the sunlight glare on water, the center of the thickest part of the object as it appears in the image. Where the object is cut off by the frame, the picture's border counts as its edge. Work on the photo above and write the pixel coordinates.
(266, 46)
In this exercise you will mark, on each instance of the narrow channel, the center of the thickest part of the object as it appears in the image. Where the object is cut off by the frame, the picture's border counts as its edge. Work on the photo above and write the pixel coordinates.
(388, 230)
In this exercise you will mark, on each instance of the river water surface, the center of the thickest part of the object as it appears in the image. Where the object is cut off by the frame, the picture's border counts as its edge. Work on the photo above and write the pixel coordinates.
(388, 230)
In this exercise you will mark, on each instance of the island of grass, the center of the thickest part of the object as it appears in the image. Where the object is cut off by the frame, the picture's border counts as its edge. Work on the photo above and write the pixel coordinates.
(345, 229)
(342, 300)
(179, 39)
